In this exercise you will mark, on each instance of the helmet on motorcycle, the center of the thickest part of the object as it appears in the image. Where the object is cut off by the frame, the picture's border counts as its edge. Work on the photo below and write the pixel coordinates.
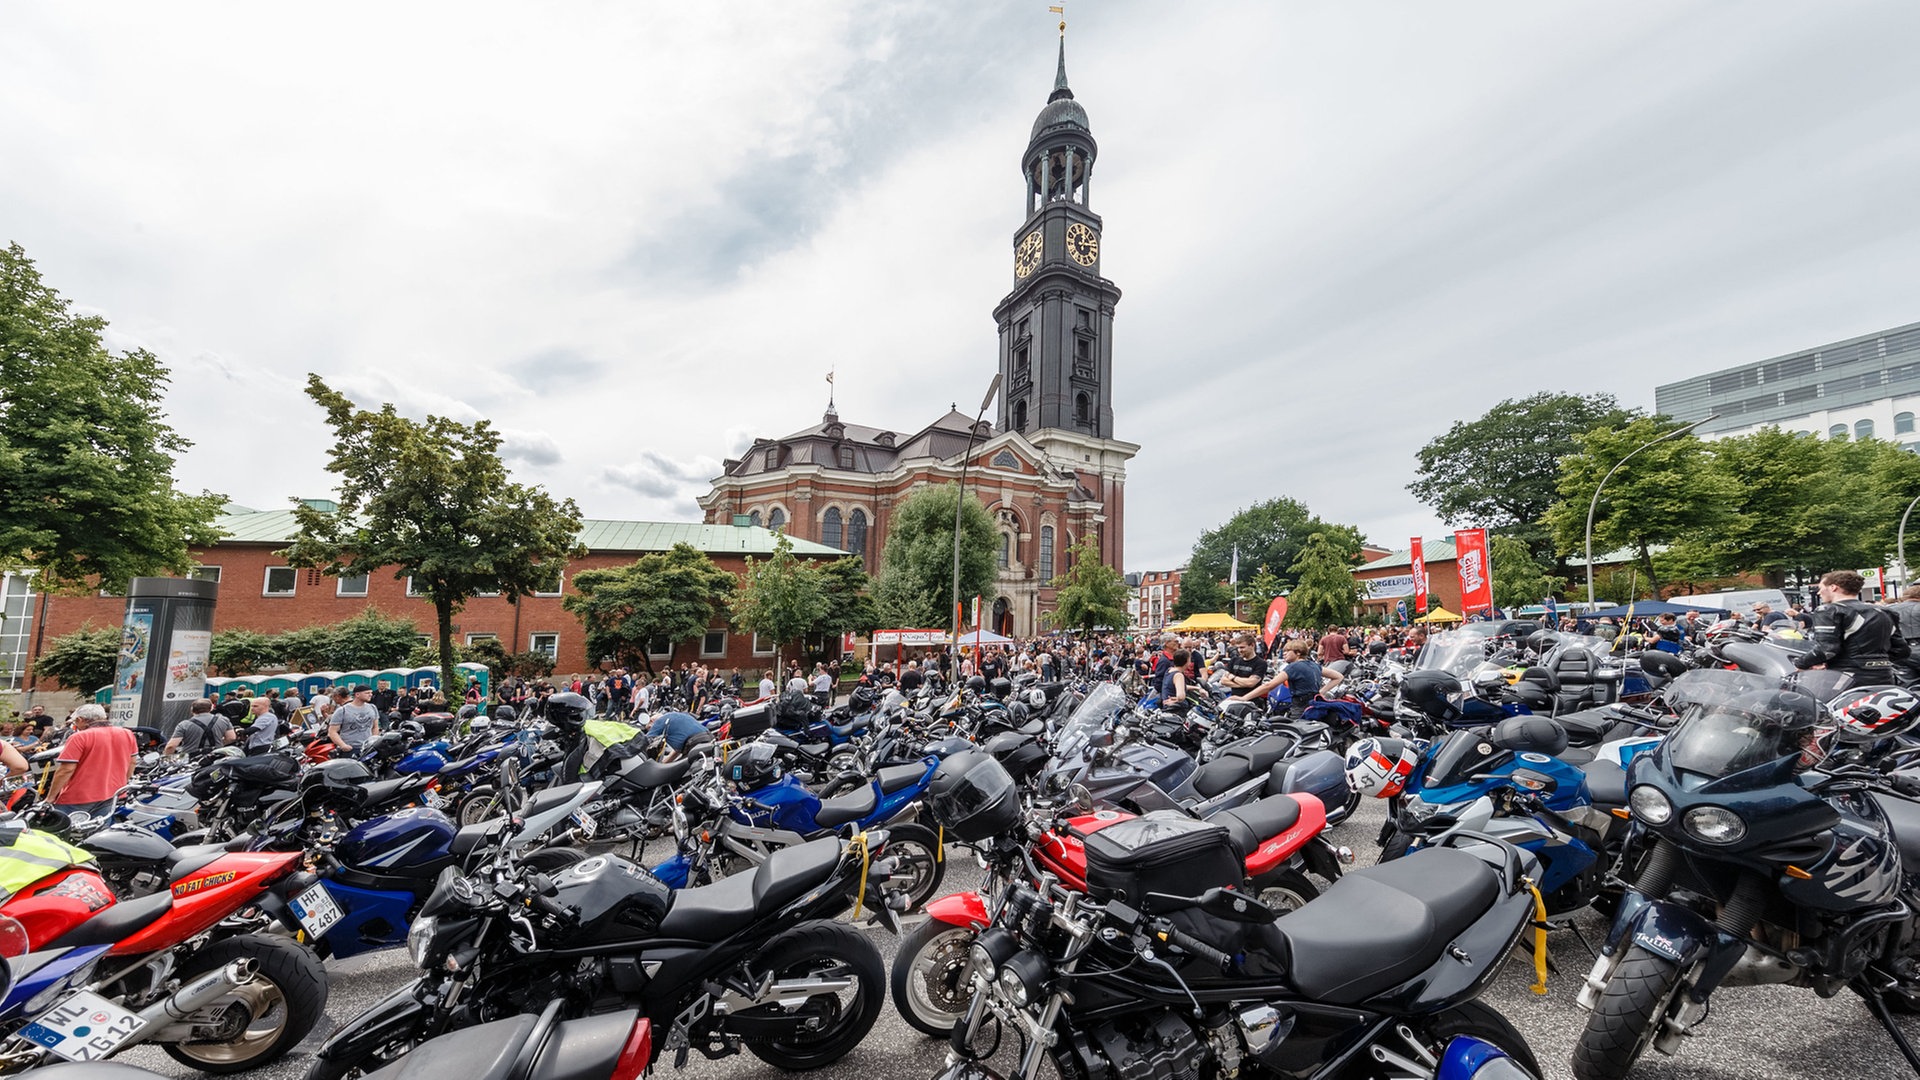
(1727, 630)
(1540, 641)
(1036, 698)
(976, 684)
(1002, 688)
(569, 709)
(506, 714)
(862, 700)
(1380, 767)
(794, 710)
(468, 712)
(754, 767)
(973, 797)
(1871, 713)
(1432, 692)
(336, 773)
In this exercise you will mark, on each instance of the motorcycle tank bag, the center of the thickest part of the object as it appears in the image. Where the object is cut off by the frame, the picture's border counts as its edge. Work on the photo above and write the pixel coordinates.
(1162, 852)
(260, 770)
(616, 900)
(1020, 754)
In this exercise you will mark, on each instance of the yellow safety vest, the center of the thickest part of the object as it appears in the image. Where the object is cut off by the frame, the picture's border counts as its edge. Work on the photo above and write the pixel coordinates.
(34, 856)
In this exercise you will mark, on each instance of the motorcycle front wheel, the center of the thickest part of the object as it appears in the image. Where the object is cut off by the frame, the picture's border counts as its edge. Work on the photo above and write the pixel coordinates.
(261, 1019)
(1627, 1016)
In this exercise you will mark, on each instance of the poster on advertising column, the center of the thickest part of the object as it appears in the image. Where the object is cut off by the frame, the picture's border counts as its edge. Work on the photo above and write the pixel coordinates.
(187, 665)
(1476, 577)
(130, 670)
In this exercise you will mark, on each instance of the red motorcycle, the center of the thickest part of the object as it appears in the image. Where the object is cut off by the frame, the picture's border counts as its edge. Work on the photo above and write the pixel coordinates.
(189, 962)
(1278, 837)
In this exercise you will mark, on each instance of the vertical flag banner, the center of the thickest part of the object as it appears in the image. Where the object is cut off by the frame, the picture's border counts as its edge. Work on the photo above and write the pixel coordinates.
(1276, 614)
(1476, 578)
(1419, 577)
(1233, 575)
(1400, 609)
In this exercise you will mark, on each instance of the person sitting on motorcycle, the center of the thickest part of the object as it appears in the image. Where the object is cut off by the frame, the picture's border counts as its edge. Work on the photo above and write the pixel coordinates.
(1850, 634)
(1173, 683)
(1243, 670)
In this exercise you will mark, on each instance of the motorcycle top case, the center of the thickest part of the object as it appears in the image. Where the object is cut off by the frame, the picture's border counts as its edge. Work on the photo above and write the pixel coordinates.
(616, 900)
(1162, 852)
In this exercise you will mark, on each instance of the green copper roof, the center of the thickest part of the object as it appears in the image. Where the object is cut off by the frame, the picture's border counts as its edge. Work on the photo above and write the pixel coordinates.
(277, 527)
(1060, 87)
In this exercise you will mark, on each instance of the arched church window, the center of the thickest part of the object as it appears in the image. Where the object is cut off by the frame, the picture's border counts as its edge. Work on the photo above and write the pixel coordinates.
(846, 457)
(1046, 553)
(857, 533)
(830, 527)
(773, 457)
(754, 518)
(1082, 410)
(1006, 550)
(1020, 415)
(776, 518)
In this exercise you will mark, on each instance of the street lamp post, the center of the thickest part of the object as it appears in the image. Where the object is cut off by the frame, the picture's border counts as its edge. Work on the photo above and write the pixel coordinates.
(953, 647)
(1595, 504)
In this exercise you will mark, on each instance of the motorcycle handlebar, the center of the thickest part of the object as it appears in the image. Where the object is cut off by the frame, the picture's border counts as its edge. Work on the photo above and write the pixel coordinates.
(1167, 932)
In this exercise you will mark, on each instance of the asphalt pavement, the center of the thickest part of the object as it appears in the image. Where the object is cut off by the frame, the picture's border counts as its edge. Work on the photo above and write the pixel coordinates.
(1754, 1033)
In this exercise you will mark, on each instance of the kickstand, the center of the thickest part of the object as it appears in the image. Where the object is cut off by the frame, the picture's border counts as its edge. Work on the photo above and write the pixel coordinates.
(1578, 936)
(1878, 1006)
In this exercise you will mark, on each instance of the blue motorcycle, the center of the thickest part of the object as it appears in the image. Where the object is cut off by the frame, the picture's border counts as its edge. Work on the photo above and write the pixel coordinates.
(749, 807)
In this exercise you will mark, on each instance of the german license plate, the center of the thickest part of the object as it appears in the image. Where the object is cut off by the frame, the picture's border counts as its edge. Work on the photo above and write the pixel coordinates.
(84, 1027)
(585, 822)
(317, 910)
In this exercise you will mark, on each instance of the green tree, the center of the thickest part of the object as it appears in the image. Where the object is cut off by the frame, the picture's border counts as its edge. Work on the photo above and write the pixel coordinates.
(916, 569)
(84, 660)
(780, 597)
(368, 640)
(1501, 471)
(668, 596)
(1260, 591)
(1199, 595)
(1518, 580)
(490, 652)
(242, 652)
(86, 460)
(1090, 594)
(1326, 593)
(850, 603)
(432, 500)
(1269, 533)
(1665, 493)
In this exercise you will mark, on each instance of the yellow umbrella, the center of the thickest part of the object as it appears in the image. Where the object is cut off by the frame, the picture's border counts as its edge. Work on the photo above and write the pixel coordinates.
(1213, 621)
(1439, 614)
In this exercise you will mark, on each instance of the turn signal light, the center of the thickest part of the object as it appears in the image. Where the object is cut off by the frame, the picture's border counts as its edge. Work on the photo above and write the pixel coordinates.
(1798, 874)
(1621, 812)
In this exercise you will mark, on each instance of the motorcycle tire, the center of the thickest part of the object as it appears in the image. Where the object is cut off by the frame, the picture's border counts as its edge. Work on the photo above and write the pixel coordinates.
(285, 999)
(926, 978)
(1283, 890)
(1395, 844)
(922, 863)
(1627, 1016)
(480, 805)
(842, 784)
(1482, 1021)
(810, 950)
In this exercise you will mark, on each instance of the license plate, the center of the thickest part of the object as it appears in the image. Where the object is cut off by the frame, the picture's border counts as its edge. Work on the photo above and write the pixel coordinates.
(84, 1027)
(585, 822)
(317, 911)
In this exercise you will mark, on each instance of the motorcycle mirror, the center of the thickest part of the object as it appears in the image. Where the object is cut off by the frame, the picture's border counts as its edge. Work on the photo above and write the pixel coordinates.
(1082, 798)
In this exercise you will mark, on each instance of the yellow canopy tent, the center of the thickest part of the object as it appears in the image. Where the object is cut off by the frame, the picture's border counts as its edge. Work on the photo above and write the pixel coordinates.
(1212, 621)
(1438, 614)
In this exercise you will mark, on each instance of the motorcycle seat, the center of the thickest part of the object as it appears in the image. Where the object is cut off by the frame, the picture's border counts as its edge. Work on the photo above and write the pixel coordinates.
(117, 922)
(644, 773)
(1606, 781)
(185, 860)
(712, 912)
(847, 731)
(1904, 816)
(1580, 755)
(380, 792)
(900, 777)
(852, 806)
(1240, 763)
(471, 838)
(1412, 909)
(1254, 824)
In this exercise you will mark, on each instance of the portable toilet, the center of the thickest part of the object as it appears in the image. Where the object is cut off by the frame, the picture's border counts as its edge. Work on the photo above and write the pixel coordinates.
(353, 679)
(249, 683)
(217, 689)
(104, 695)
(477, 674)
(286, 684)
(316, 682)
(421, 676)
(391, 679)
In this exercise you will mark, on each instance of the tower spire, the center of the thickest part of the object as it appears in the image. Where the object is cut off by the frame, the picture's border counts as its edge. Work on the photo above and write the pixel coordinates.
(1060, 87)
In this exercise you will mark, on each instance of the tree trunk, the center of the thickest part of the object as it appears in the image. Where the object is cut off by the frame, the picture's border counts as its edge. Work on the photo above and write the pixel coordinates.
(1646, 562)
(443, 614)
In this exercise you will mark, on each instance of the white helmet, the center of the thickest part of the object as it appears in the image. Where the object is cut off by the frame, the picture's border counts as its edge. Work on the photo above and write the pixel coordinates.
(1380, 767)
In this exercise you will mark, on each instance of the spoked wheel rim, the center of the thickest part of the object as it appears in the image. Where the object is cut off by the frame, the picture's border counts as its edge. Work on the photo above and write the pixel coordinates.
(1283, 898)
(266, 1009)
(479, 810)
(934, 986)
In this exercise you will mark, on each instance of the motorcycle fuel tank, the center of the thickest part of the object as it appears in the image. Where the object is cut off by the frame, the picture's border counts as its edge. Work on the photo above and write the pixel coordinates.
(393, 842)
(616, 900)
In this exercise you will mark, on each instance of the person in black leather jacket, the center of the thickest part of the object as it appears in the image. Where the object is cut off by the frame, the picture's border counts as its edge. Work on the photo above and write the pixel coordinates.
(1852, 635)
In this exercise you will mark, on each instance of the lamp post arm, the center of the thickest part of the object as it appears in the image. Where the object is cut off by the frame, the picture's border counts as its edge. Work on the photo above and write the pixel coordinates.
(1594, 504)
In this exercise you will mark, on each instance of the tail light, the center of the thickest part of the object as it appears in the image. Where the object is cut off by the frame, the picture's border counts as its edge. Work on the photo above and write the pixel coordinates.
(15, 942)
(637, 1053)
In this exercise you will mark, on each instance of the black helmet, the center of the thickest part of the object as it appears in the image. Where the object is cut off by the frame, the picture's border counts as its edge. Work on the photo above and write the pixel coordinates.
(1541, 640)
(977, 684)
(468, 712)
(569, 708)
(862, 700)
(973, 797)
(754, 767)
(1003, 688)
(506, 714)
(1432, 693)
(336, 773)
(794, 709)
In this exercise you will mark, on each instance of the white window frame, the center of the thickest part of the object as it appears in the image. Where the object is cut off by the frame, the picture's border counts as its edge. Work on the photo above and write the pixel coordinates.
(471, 638)
(197, 572)
(723, 643)
(758, 651)
(411, 591)
(340, 585)
(533, 643)
(558, 588)
(266, 582)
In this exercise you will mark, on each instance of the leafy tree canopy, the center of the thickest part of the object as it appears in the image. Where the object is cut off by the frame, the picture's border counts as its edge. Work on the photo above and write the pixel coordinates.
(86, 462)
(669, 596)
(1326, 593)
(84, 660)
(1269, 534)
(916, 576)
(1518, 580)
(1200, 595)
(850, 603)
(1662, 494)
(432, 500)
(1501, 471)
(1090, 594)
(781, 597)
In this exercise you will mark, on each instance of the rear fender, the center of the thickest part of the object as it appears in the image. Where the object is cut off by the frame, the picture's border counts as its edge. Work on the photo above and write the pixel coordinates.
(967, 909)
(1278, 849)
(399, 1015)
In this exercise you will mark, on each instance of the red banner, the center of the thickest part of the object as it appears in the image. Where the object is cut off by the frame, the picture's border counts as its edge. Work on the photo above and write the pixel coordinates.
(1276, 614)
(1419, 578)
(1476, 576)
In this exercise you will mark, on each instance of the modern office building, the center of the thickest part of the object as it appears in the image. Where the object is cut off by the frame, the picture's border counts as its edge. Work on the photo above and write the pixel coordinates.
(1863, 387)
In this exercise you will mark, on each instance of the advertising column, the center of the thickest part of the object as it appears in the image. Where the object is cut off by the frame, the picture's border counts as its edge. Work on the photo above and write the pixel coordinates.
(164, 645)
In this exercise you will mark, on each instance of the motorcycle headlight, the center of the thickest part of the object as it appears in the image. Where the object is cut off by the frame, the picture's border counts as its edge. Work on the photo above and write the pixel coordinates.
(420, 938)
(981, 961)
(1650, 805)
(1023, 979)
(1714, 824)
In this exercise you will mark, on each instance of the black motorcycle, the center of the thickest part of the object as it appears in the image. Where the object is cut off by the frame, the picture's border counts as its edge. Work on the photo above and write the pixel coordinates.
(754, 962)
(1764, 857)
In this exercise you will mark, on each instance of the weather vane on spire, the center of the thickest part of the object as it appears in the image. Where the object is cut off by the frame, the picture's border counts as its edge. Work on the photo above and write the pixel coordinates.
(1062, 12)
(830, 372)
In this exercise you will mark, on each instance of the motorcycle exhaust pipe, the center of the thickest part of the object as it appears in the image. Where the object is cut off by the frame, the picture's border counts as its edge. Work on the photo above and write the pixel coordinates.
(163, 1016)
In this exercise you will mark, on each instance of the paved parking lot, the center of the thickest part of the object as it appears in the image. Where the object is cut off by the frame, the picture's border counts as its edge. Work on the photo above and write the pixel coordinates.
(1762, 1033)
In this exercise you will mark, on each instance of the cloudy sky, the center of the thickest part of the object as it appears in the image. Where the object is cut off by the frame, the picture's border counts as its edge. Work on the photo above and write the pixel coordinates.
(636, 235)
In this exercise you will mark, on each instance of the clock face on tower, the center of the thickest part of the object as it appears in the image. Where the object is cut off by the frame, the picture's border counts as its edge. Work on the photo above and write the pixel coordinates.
(1083, 244)
(1027, 255)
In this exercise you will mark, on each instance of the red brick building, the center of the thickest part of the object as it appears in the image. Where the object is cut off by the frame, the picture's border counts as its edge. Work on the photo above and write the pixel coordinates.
(1049, 470)
(259, 591)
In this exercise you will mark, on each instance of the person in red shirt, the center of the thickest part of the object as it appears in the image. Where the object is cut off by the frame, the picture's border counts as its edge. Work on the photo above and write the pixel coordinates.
(1333, 647)
(95, 762)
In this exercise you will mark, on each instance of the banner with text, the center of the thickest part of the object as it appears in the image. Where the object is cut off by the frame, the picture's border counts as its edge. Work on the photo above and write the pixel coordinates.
(1388, 588)
(1476, 577)
(1419, 577)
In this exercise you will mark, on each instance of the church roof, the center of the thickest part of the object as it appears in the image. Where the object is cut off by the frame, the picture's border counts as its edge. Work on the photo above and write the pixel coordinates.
(1061, 110)
(872, 450)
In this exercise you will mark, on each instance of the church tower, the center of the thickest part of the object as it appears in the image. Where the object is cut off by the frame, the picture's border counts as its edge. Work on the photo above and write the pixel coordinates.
(1056, 326)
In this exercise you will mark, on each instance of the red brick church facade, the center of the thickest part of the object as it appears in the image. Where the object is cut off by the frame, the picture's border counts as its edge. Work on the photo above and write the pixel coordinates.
(1048, 470)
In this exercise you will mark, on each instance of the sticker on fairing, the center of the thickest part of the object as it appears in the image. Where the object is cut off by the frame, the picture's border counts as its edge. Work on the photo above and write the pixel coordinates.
(1658, 945)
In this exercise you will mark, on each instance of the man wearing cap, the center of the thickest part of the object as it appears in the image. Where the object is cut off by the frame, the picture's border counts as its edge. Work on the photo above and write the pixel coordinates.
(354, 725)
